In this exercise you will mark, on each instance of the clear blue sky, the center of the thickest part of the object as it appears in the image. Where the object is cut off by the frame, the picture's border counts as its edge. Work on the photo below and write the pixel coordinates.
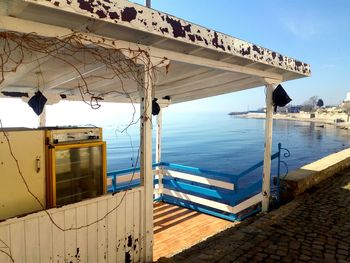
(314, 31)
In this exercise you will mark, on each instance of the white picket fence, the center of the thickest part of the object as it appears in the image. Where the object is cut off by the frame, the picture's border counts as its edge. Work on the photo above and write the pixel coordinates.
(117, 238)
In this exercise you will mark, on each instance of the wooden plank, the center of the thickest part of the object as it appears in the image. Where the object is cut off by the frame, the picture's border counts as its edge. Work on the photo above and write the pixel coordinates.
(213, 204)
(126, 178)
(70, 237)
(198, 200)
(129, 231)
(5, 244)
(142, 226)
(46, 241)
(18, 248)
(58, 237)
(121, 210)
(92, 233)
(136, 226)
(102, 232)
(196, 79)
(32, 240)
(200, 179)
(267, 151)
(112, 231)
(73, 75)
(82, 234)
(215, 89)
(247, 203)
(176, 232)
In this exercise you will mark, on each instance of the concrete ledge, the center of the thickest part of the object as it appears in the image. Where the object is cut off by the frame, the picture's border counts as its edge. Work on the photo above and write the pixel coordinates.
(300, 180)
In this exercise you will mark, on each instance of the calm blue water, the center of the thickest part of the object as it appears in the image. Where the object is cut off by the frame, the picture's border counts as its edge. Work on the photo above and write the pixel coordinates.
(222, 143)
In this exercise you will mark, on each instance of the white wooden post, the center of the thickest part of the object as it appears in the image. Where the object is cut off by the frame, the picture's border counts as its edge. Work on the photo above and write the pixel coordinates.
(159, 150)
(145, 88)
(267, 153)
(42, 118)
(159, 137)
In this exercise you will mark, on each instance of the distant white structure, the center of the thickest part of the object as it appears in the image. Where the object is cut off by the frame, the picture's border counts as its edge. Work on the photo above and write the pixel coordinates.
(347, 96)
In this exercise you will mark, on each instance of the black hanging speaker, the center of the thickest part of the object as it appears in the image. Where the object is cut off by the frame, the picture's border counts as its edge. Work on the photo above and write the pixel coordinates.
(37, 102)
(280, 97)
(155, 107)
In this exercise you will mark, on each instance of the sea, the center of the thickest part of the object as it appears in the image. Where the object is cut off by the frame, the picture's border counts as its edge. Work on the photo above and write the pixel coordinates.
(223, 143)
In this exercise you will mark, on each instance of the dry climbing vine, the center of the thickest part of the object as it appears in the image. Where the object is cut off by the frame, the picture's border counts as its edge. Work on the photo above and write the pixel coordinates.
(78, 52)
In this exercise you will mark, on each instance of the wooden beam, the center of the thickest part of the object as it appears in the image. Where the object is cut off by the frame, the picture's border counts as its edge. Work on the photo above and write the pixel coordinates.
(11, 78)
(232, 86)
(198, 78)
(203, 85)
(73, 75)
(183, 84)
(145, 79)
(24, 26)
(197, 95)
(267, 153)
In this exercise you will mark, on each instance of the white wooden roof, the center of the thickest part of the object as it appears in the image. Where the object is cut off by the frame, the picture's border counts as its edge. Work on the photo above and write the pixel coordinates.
(203, 62)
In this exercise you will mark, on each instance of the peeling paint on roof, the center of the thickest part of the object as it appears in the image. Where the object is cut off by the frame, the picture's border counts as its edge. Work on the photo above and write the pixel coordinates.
(148, 20)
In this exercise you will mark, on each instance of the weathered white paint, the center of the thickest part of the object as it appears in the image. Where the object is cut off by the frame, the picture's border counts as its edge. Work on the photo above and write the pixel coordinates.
(25, 26)
(267, 153)
(213, 204)
(151, 26)
(35, 239)
(200, 179)
(145, 88)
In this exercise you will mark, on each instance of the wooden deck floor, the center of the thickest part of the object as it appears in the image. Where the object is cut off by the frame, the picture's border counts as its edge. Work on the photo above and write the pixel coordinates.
(177, 228)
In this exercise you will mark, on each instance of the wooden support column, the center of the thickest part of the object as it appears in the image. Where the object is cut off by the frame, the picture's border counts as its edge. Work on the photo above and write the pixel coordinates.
(268, 143)
(159, 136)
(145, 88)
(42, 118)
(159, 151)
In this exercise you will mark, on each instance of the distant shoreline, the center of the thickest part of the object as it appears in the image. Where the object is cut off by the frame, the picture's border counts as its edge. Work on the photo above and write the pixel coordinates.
(342, 125)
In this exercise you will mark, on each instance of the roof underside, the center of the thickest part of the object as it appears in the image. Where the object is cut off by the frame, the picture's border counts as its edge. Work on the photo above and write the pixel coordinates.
(122, 20)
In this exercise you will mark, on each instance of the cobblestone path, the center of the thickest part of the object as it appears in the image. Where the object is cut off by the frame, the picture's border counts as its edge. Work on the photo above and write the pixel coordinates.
(315, 227)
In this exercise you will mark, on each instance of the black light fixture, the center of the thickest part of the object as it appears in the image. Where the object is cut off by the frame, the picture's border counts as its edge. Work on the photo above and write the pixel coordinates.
(155, 107)
(37, 102)
(280, 97)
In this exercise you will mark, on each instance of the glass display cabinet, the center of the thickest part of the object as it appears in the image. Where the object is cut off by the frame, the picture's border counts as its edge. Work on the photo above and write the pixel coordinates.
(76, 172)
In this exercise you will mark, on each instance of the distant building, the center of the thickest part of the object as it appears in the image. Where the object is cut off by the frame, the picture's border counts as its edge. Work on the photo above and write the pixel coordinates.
(294, 109)
(347, 97)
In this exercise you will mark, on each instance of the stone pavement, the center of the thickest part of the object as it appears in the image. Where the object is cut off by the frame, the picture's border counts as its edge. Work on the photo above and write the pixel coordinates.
(315, 227)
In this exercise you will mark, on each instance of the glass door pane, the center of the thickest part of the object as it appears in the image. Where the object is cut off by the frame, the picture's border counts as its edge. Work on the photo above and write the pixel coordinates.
(79, 174)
